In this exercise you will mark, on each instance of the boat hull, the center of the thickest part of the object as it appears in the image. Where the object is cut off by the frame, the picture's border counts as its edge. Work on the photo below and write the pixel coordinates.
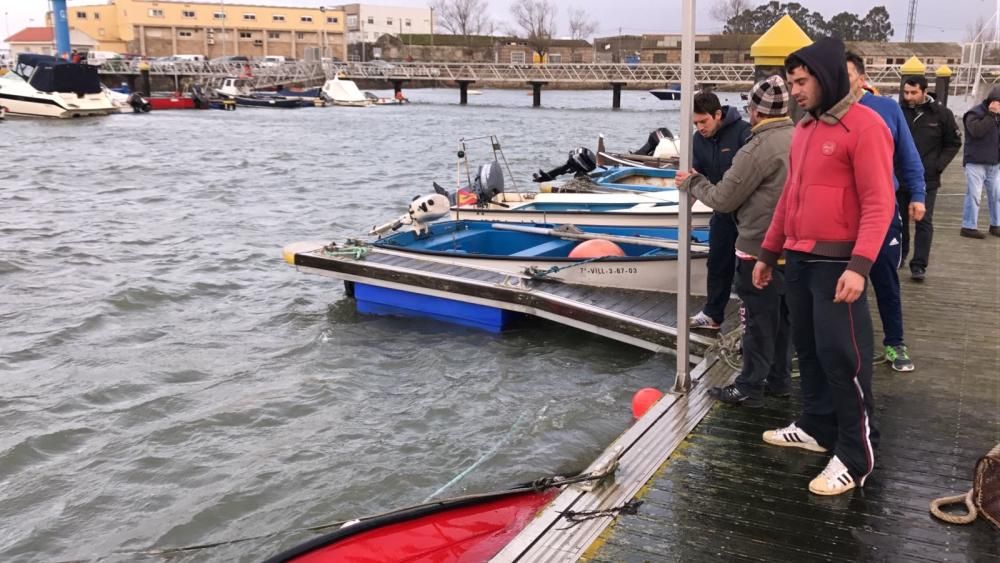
(163, 102)
(635, 210)
(460, 530)
(268, 102)
(57, 106)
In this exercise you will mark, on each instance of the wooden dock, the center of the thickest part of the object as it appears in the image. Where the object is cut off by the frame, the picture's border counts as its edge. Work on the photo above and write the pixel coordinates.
(724, 495)
(642, 318)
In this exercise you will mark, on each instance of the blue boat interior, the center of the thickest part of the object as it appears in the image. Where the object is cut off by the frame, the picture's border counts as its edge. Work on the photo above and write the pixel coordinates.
(479, 239)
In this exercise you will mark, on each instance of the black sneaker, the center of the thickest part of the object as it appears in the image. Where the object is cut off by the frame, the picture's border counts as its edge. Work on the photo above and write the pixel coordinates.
(972, 233)
(733, 396)
(779, 393)
(917, 273)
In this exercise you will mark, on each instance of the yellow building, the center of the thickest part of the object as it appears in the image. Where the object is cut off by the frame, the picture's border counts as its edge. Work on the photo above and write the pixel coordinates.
(213, 29)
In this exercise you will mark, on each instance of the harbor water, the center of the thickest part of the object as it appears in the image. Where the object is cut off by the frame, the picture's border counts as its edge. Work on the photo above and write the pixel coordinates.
(169, 381)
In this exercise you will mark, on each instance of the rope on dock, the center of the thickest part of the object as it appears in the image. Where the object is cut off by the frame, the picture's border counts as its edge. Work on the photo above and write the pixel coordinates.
(969, 498)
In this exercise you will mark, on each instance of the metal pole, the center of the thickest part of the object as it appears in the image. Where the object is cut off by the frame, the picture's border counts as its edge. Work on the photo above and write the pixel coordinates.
(682, 382)
(222, 9)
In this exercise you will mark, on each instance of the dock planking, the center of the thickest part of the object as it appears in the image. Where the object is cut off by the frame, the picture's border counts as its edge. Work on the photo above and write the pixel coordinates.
(725, 495)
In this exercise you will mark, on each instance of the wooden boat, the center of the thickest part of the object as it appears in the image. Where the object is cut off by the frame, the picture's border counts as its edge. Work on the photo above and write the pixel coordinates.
(649, 260)
(471, 528)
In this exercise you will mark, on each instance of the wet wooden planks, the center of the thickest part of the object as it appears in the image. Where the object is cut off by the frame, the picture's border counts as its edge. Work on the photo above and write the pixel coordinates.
(725, 495)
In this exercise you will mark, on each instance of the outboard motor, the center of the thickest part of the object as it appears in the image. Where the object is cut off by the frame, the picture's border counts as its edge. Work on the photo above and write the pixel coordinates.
(488, 182)
(653, 141)
(423, 209)
(581, 162)
(201, 101)
(138, 103)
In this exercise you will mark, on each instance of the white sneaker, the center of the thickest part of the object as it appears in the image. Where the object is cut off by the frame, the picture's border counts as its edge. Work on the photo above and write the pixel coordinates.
(701, 320)
(792, 436)
(834, 480)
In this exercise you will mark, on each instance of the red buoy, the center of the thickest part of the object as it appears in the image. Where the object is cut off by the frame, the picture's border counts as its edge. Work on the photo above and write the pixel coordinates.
(644, 399)
(596, 248)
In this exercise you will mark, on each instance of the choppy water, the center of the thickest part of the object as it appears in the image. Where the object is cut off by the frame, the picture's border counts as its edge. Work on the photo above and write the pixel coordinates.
(167, 380)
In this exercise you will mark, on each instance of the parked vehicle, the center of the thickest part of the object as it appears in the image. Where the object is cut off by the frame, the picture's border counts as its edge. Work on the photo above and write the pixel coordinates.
(271, 60)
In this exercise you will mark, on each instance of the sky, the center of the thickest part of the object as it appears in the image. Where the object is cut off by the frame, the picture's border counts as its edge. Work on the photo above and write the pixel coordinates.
(937, 20)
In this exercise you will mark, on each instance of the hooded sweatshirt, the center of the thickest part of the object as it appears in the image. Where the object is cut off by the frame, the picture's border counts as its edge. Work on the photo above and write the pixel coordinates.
(982, 133)
(714, 155)
(838, 199)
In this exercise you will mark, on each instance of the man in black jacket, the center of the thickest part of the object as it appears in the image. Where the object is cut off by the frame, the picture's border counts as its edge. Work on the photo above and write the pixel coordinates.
(721, 134)
(938, 140)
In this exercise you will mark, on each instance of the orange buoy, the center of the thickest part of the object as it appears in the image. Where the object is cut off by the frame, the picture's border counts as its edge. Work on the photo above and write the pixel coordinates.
(644, 399)
(595, 248)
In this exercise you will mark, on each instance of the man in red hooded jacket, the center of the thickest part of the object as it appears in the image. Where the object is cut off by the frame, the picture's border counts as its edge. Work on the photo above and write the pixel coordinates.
(830, 223)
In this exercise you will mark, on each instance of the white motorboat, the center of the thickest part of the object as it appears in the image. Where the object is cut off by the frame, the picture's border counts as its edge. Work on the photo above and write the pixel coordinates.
(45, 86)
(344, 93)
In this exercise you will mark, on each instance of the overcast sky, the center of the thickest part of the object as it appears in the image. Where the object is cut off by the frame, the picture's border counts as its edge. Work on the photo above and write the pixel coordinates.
(937, 20)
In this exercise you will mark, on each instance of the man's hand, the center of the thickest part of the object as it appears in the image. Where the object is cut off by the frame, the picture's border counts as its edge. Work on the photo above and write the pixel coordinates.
(850, 286)
(917, 210)
(994, 106)
(681, 176)
(761, 275)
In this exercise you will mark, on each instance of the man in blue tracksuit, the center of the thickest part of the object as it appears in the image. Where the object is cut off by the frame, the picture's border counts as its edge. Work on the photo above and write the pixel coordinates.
(909, 168)
(721, 134)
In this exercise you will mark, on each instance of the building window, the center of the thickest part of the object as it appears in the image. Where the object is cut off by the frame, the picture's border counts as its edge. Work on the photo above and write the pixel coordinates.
(219, 15)
(715, 58)
(517, 57)
(658, 58)
(371, 20)
(888, 61)
(332, 19)
(250, 17)
(577, 57)
(278, 18)
(273, 35)
(246, 35)
(900, 61)
(407, 22)
(697, 56)
(97, 15)
(870, 61)
(81, 15)
(555, 58)
(155, 13)
(184, 34)
(352, 21)
(951, 61)
(930, 61)
(189, 14)
(300, 35)
(306, 19)
(388, 21)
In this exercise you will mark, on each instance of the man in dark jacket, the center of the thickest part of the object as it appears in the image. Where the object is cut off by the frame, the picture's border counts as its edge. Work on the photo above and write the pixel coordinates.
(721, 133)
(750, 189)
(981, 160)
(938, 140)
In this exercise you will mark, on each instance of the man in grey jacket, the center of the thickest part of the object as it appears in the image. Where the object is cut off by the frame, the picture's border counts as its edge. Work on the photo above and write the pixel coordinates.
(751, 188)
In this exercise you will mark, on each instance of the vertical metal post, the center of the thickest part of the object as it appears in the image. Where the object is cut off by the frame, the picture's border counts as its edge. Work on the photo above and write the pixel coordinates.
(682, 382)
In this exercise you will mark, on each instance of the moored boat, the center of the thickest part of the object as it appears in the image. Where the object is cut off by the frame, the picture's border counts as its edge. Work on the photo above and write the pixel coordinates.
(647, 258)
(46, 86)
(239, 90)
(344, 93)
(470, 528)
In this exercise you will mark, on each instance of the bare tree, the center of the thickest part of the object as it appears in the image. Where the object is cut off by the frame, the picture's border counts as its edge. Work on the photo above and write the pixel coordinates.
(463, 17)
(725, 10)
(980, 30)
(580, 24)
(537, 21)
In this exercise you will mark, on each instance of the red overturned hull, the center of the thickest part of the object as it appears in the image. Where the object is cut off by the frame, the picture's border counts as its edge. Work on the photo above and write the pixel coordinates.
(470, 529)
(179, 102)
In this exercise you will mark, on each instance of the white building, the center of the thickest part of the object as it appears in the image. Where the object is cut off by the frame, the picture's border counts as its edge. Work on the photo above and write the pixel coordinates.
(41, 40)
(365, 23)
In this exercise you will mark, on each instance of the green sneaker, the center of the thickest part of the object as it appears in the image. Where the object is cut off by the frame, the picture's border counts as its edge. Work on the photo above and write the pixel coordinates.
(899, 358)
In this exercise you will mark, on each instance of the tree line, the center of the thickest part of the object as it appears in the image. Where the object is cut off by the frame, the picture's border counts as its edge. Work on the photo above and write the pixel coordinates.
(533, 20)
(742, 17)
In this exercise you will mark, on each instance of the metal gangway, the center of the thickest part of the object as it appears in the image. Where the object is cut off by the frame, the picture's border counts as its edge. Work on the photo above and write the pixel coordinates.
(598, 75)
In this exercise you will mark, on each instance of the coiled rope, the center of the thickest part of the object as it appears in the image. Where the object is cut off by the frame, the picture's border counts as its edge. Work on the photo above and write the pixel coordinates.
(937, 505)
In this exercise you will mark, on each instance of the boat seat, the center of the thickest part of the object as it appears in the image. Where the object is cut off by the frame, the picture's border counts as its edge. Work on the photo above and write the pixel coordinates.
(548, 248)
